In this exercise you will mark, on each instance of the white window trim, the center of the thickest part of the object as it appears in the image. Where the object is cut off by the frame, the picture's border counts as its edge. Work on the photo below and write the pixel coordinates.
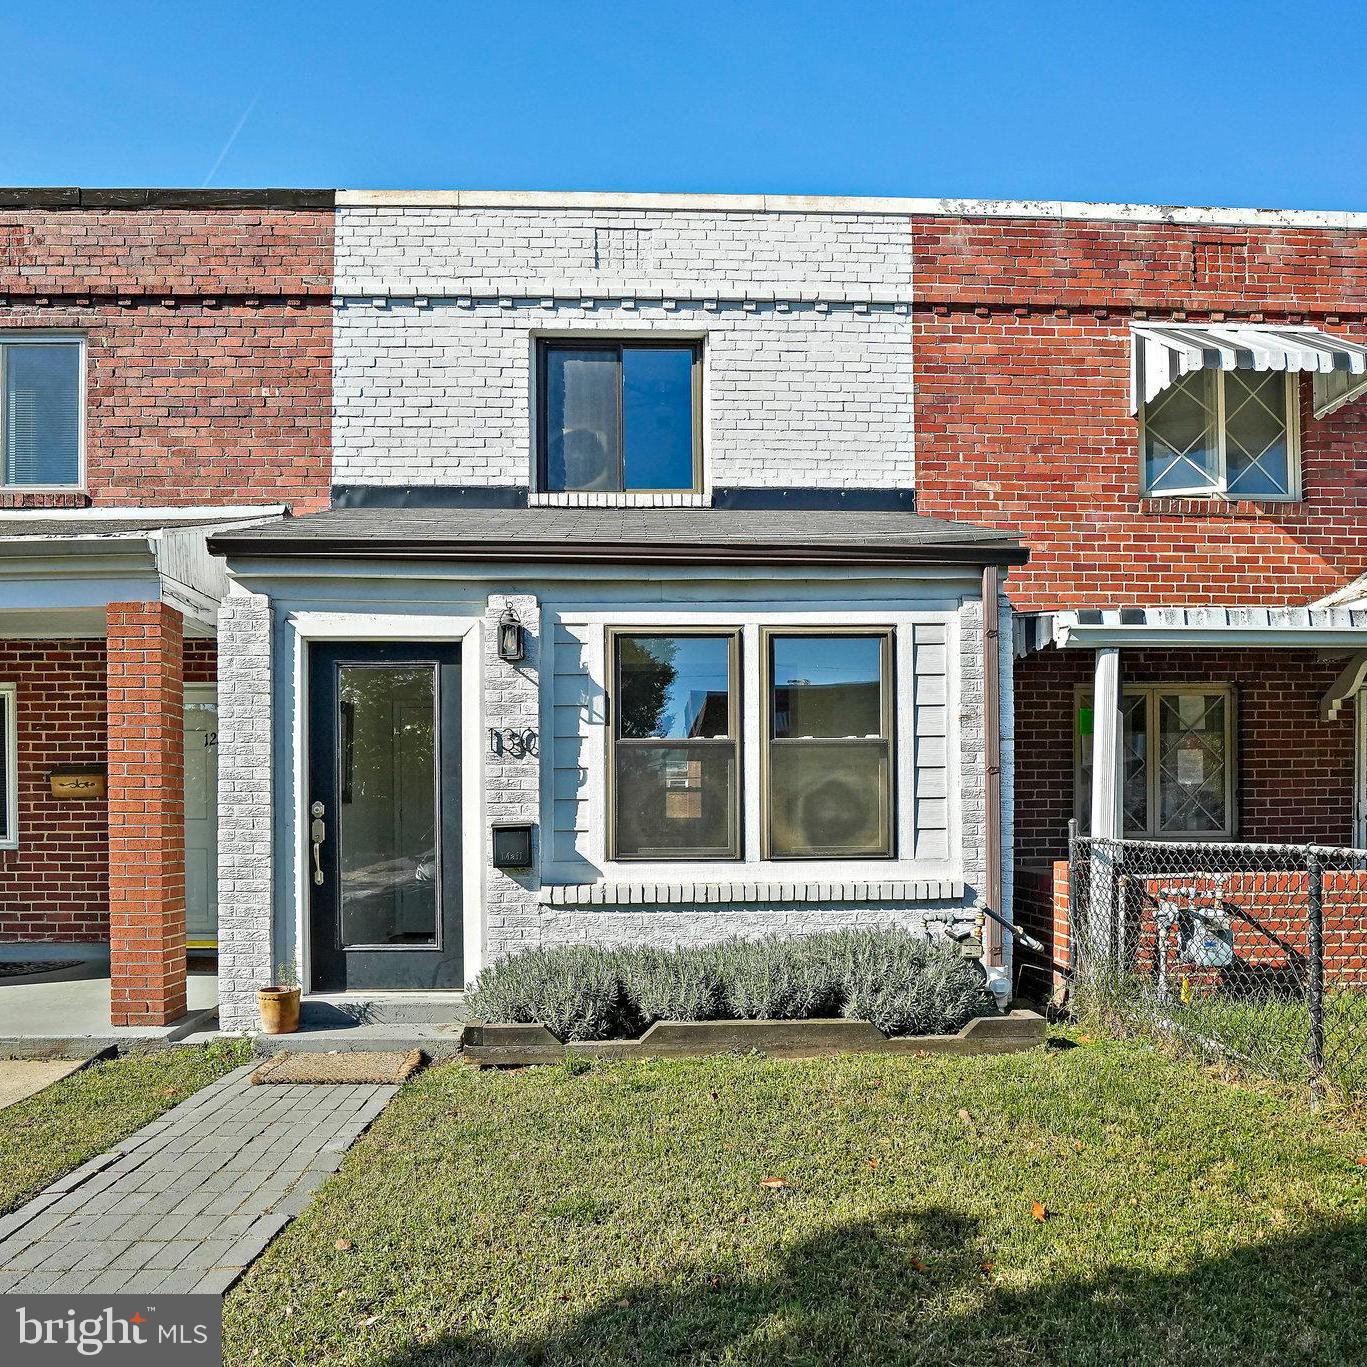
(52, 337)
(10, 740)
(1293, 451)
(309, 626)
(1153, 691)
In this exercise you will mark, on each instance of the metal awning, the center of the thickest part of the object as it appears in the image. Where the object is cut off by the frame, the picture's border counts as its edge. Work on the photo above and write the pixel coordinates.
(1315, 628)
(1164, 352)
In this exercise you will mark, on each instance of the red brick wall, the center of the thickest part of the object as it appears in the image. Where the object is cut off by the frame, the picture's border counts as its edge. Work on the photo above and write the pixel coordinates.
(208, 347)
(1295, 771)
(55, 886)
(1022, 406)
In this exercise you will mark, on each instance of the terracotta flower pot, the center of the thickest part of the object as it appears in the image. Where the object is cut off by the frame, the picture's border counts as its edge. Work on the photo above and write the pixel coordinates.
(279, 1008)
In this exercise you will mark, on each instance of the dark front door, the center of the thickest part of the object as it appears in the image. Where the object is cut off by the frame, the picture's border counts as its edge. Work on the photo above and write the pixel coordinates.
(384, 816)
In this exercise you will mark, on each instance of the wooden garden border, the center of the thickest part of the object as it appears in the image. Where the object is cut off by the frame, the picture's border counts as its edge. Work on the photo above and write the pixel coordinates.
(495, 1044)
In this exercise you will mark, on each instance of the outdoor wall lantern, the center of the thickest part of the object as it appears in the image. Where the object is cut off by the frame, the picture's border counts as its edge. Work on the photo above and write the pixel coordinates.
(513, 845)
(512, 643)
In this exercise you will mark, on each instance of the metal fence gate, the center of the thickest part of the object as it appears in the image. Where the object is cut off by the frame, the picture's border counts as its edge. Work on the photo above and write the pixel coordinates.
(1254, 953)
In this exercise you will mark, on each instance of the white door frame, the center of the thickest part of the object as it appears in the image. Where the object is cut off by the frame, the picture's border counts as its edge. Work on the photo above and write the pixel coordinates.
(371, 627)
(202, 690)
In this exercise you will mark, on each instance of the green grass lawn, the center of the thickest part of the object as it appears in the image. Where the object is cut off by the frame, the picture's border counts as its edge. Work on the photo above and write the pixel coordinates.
(619, 1214)
(82, 1115)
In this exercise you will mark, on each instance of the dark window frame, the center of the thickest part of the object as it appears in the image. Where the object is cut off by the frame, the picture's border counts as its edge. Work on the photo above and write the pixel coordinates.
(733, 740)
(768, 741)
(546, 345)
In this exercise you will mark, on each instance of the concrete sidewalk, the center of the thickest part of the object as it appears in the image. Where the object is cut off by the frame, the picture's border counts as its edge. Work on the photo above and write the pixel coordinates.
(189, 1201)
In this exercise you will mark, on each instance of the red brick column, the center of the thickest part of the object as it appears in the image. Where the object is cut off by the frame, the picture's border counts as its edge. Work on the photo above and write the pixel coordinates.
(146, 814)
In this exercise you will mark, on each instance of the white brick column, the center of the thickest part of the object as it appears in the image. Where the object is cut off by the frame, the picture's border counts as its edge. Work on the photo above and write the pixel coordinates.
(245, 826)
(512, 775)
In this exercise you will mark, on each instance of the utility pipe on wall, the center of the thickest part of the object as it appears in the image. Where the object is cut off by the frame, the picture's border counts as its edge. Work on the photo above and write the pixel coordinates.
(993, 956)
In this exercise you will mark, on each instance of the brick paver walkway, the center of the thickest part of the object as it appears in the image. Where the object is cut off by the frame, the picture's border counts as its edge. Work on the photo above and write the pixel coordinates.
(187, 1202)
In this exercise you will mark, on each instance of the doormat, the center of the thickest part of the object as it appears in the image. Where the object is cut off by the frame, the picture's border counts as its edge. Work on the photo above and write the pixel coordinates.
(27, 968)
(343, 1066)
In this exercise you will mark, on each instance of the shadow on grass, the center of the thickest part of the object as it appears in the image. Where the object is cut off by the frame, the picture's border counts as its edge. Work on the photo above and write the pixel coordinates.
(914, 1289)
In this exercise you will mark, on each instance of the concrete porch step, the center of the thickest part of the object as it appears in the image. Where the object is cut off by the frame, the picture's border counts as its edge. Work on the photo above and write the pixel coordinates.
(436, 1041)
(340, 1011)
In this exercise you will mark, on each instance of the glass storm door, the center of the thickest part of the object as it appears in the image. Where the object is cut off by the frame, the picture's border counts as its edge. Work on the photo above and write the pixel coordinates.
(384, 817)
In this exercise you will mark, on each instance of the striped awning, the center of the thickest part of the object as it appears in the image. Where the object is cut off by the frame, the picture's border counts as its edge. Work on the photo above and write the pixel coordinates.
(1164, 352)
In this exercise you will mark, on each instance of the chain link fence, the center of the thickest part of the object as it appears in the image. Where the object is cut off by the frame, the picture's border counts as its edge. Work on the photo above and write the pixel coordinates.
(1254, 954)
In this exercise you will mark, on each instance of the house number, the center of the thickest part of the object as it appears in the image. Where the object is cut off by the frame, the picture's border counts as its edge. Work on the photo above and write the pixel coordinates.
(514, 744)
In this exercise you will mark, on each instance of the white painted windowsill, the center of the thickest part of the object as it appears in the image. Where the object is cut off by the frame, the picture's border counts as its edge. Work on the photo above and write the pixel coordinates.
(628, 894)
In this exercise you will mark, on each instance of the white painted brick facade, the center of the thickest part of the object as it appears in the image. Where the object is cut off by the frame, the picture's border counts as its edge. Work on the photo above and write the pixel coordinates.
(512, 782)
(245, 826)
(709, 253)
(804, 320)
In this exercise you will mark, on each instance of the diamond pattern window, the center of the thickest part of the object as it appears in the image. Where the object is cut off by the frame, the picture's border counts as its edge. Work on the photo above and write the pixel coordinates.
(1229, 433)
(1177, 757)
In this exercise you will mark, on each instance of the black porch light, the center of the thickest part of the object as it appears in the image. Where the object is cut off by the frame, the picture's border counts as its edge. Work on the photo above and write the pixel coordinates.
(512, 644)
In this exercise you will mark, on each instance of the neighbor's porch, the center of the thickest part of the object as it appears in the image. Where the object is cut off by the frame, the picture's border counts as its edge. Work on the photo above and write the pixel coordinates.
(107, 669)
(1205, 724)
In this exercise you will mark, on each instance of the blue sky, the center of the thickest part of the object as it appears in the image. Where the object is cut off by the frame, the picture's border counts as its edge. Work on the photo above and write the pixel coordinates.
(1202, 101)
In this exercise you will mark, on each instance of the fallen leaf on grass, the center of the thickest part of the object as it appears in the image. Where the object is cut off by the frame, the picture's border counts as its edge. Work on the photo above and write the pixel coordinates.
(773, 1183)
(1361, 1160)
(918, 1266)
(1077, 1146)
(873, 1162)
(369, 1320)
(964, 1116)
(1039, 1211)
(343, 1245)
(987, 1268)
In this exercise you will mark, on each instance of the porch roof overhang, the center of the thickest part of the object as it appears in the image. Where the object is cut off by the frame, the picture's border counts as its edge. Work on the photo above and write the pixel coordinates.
(1164, 352)
(59, 571)
(1307, 628)
(677, 536)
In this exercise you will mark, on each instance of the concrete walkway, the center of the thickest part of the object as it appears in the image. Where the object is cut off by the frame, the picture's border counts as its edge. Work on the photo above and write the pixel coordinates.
(189, 1201)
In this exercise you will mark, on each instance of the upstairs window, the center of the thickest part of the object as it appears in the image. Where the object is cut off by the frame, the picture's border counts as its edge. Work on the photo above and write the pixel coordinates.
(1225, 432)
(618, 417)
(40, 412)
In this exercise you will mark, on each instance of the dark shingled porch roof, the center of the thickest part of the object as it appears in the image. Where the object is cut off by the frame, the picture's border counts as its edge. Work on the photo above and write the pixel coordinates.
(669, 535)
